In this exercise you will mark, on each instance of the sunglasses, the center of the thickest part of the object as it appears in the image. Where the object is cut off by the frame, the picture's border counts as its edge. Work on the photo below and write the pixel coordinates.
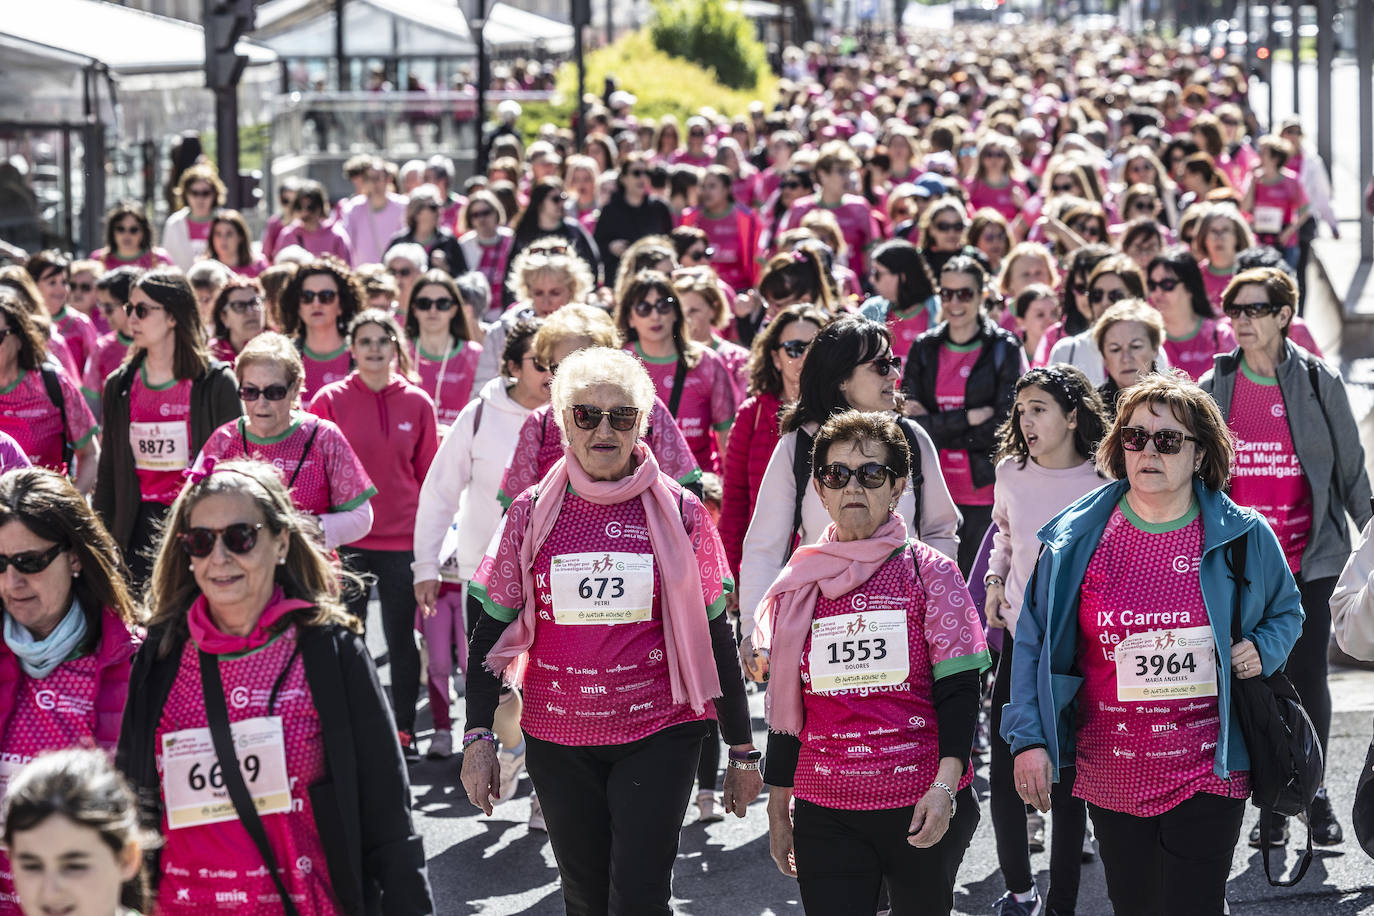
(1251, 310)
(31, 561)
(140, 310)
(538, 366)
(400, 273)
(326, 296)
(1063, 188)
(947, 227)
(271, 392)
(636, 173)
(886, 367)
(480, 214)
(871, 475)
(791, 185)
(549, 249)
(1144, 206)
(82, 287)
(239, 538)
(795, 349)
(1098, 295)
(700, 254)
(135, 229)
(1167, 441)
(588, 417)
(424, 303)
(663, 306)
(1168, 284)
(200, 192)
(963, 295)
(244, 306)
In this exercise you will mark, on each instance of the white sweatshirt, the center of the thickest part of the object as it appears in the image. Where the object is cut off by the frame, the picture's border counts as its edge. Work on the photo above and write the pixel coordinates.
(1352, 603)
(1080, 351)
(765, 543)
(463, 480)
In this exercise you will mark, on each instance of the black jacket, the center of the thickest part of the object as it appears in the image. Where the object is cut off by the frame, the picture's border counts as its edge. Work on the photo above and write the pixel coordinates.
(362, 806)
(444, 241)
(992, 383)
(619, 221)
(214, 402)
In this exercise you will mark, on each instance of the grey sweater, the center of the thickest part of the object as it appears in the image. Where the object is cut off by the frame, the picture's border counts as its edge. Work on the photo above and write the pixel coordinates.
(1331, 456)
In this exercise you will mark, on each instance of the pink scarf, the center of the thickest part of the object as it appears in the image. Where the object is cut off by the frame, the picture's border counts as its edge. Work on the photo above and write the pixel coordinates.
(210, 638)
(831, 568)
(691, 665)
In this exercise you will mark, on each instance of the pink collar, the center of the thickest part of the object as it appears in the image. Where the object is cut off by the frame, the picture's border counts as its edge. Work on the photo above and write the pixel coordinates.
(210, 638)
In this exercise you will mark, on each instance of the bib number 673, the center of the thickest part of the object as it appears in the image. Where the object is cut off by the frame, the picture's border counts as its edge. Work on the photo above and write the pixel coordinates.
(595, 587)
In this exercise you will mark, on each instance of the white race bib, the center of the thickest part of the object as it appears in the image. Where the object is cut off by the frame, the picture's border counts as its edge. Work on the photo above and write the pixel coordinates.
(161, 446)
(8, 770)
(1166, 665)
(865, 649)
(193, 783)
(1268, 220)
(602, 587)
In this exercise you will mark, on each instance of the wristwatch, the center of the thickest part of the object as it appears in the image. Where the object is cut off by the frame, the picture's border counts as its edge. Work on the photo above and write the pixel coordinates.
(745, 760)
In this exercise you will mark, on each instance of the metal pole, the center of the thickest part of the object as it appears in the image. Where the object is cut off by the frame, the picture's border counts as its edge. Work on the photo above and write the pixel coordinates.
(1364, 56)
(227, 143)
(479, 23)
(1268, 33)
(1245, 24)
(580, 131)
(1325, 54)
(610, 21)
(344, 80)
(1295, 40)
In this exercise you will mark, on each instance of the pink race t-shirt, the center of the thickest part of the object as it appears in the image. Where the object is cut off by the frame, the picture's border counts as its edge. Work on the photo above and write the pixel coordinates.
(707, 404)
(588, 682)
(1276, 207)
(448, 378)
(1147, 738)
(734, 236)
(857, 225)
(1002, 199)
(951, 380)
(324, 369)
(866, 748)
(736, 360)
(1215, 282)
(326, 477)
(208, 866)
(906, 327)
(1266, 475)
(110, 351)
(34, 421)
(1193, 353)
(79, 333)
(160, 436)
(50, 713)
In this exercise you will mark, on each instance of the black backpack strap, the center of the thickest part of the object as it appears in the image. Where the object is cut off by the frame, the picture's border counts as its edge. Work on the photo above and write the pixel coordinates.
(915, 479)
(53, 385)
(679, 378)
(300, 462)
(217, 715)
(1314, 378)
(1236, 552)
(801, 476)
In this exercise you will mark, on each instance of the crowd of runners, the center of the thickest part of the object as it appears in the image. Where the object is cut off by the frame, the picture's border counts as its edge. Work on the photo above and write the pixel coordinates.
(941, 397)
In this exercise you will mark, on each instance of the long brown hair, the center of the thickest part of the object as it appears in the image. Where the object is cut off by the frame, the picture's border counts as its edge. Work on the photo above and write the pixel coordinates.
(167, 287)
(640, 285)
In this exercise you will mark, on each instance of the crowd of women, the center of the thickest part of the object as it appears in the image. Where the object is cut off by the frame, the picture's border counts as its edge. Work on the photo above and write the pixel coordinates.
(940, 399)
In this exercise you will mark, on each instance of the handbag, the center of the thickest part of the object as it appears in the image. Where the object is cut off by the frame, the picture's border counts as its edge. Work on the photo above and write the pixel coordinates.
(1286, 765)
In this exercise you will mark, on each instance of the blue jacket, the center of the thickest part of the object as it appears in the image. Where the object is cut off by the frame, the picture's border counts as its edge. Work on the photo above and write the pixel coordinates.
(1044, 682)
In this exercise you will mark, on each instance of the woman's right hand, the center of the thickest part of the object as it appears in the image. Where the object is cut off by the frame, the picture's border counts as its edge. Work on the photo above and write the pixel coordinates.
(481, 774)
(1033, 778)
(780, 830)
(755, 663)
(994, 604)
(426, 594)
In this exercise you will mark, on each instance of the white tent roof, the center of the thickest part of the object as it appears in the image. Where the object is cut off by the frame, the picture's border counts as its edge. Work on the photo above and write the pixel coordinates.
(508, 26)
(125, 40)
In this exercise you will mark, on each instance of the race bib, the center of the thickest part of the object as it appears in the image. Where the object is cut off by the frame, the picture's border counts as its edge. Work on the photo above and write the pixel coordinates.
(1268, 220)
(602, 587)
(1166, 665)
(8, 770)
(866, 649)
(160, 446)
(193, 782)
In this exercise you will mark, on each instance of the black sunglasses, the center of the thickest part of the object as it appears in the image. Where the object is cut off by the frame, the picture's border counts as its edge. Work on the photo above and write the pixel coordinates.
(140, 310)
(401, 273)
(588, 417)
(424, 303)
(697, 255)
(871, 475)
(326, 296)
(244, 306)
(636, 173)
(886, 367)
(1167, 441)
(947, 227)
(1063, 188)
(663, 306)
(1097, 295)
(31, 561)
(481, 214)
(271, 392)
(82, 287)
(791, 185)
(1251, 310)
(238, 538)
(795, 349)
(963, 295)
(1168, 284)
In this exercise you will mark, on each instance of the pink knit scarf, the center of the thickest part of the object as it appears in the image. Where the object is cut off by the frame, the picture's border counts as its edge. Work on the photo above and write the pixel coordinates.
(691, 666)
(831, 568)
(210, 638)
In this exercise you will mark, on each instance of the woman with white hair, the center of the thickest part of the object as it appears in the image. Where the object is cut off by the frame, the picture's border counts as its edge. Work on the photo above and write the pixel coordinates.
(425, 228)
(630, 574)
(485, 238)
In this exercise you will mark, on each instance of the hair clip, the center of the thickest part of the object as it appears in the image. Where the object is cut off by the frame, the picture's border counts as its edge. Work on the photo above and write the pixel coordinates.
(204, 467)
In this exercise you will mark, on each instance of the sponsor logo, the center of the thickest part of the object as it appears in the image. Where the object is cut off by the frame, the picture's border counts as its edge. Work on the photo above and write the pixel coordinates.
(859, 602)
(858, 749)
(45, 699)
(1103, 707)
(640, 707)
(544, 615)
(916, 722)
(845, 736)
(620, 669)
(571, 670)
(594, 713)
(655, 656)
(1277, 411)
(1121, 728)
(637, 685)
(184, 893)
(304, 865)
(1164, 727)
(540, 663)
(911, 768)
(554, 685)
(167, 409)
(1209, 745)
(594, 689)
(821, 769)
(1193, 707)
(1153, 709)
(223, 873)
(556, 710)
(238, 697)
(186, 872)
(884, 730)
(1123, 752)
(613, 529)
(405, 427)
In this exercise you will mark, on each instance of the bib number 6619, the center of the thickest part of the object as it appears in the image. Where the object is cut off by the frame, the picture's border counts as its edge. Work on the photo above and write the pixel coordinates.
(214, 778)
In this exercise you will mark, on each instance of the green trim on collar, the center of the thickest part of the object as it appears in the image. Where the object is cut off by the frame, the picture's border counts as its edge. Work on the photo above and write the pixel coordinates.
(1140, 524)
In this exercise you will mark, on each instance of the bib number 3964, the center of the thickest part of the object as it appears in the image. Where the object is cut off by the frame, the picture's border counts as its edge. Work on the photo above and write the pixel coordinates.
(865, 649)
(1166, 665)
(194, 782)
(604, 588)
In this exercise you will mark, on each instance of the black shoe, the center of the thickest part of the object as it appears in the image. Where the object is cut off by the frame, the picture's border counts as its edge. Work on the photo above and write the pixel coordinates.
(1321, 820)
(1278, 833)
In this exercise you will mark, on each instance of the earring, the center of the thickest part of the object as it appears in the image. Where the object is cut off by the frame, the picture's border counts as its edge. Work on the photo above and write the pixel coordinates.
(191, 567)
(281, 561)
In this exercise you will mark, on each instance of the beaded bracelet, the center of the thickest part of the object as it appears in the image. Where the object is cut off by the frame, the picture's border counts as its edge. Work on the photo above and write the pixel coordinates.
(478, 736)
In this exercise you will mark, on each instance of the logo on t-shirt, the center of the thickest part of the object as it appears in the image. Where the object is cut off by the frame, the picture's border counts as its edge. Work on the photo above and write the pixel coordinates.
(859, 602)
(238, 697)
(1277, 411)
(613, 529)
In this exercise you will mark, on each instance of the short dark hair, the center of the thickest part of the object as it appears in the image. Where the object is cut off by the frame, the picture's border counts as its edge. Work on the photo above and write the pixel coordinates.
(861, 426)
(1074, 394)
(764, 377)
(916, 283)
(118, 282)
(519, 339)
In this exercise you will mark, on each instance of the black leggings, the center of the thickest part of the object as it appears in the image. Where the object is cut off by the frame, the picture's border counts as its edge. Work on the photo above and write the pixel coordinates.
(976, 520)
(1307, 662)
(1173, 864)
(397, 596)
(1009, 811)
(845, 857)
(614, 813)
(708, 763)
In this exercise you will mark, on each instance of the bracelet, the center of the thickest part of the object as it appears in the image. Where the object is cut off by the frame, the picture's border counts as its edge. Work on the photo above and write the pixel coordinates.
(953, 804)
(734, 764)
(993, 577)
(743, 755)
(474, 737)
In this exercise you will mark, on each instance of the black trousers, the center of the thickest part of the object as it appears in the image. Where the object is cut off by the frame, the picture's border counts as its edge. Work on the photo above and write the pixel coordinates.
(708, 762)
(614, 813)
(391, 568)
(976, 520)
(144, 543)
(1009, 811)
(1173, 864)
(1307, 662)
(845, 857)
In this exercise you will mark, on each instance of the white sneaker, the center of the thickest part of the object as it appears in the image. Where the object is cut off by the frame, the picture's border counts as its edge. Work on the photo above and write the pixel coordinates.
(512, 765)
(710, 812)
(441, 745)
(537, 815)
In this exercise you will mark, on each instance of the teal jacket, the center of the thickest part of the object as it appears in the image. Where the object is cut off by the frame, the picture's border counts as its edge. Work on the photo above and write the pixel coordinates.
(1044, 679)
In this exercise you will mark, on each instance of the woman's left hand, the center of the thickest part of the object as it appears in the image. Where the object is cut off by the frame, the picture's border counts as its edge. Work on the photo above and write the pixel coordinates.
(1245, 660)
(741, 788)
(931, 818)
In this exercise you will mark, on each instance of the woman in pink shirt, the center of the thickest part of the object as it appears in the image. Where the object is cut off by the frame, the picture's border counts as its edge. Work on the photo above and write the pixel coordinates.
(129, 240)
(996, 181)
(310, 231)
(705, 310)
(1193, 333)
(1222, 233)
(230, 245)
(444, 355)
(319, 301)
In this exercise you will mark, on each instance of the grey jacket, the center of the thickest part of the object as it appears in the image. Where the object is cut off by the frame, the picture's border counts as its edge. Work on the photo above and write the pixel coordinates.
(1319, 447)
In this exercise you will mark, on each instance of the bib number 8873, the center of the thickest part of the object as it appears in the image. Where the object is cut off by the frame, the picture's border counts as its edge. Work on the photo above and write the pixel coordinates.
(197, 780)
(595, 587)
(858, 650)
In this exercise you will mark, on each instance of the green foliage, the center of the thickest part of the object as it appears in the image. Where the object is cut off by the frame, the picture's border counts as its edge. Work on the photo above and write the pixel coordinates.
(662, 84)
(713, 34)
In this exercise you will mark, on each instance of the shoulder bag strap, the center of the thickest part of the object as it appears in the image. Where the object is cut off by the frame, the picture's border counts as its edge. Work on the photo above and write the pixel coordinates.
(54, 388)
(1314, 378)
(1235, 560)
(801, 476)
(217, 714)
(300, 462)
(915, 479)
(679, 377)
